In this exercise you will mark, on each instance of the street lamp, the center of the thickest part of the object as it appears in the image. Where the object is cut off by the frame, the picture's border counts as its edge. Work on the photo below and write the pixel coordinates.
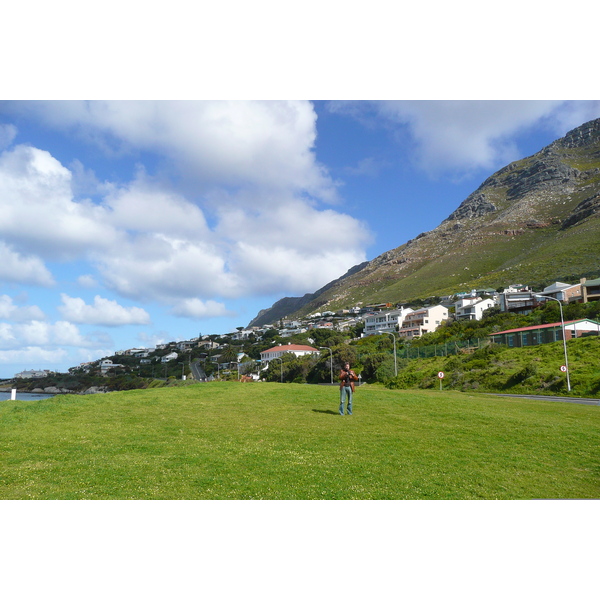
(330, 362)
(281, 361)
(564, 337)
(395, 359)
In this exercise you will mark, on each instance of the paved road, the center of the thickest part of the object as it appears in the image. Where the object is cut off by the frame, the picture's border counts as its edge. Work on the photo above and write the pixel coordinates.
(588, 401)
(197, 371)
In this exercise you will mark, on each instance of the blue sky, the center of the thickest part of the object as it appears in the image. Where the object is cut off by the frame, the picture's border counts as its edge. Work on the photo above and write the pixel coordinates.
(129, 223)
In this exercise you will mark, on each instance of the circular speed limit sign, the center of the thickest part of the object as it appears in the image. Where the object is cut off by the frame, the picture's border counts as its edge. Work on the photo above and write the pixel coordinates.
(441, 375)
(563, 369)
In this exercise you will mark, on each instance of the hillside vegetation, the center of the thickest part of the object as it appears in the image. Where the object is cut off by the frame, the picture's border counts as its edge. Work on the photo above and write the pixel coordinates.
(272, 441)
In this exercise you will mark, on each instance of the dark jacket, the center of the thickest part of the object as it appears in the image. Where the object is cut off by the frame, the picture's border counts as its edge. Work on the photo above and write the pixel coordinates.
(347, 378)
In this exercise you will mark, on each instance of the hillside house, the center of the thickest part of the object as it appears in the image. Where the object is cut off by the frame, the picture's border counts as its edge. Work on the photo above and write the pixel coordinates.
(521, 302)
(564, 292)
(106, 364)
(279, 351)
(590, 290)
(385, 322)
(169, 357)
(422, 321)
(471, 309)
(545, 334)
(33, 374)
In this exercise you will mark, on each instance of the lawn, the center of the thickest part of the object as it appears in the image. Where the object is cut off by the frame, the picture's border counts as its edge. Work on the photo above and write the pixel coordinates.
(286, 441)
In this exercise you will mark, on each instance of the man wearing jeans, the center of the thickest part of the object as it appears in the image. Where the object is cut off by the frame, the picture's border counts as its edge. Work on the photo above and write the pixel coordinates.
(347, 379)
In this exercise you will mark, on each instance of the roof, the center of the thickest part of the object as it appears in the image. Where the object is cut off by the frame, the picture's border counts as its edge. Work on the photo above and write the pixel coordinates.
(291, 348)
(592, 282)
(533, 327)
(558, 286)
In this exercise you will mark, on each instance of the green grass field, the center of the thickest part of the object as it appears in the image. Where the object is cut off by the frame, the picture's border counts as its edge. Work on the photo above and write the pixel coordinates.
(274, 441)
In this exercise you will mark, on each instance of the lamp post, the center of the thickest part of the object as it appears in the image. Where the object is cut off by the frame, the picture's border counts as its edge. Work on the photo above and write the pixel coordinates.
(331, 361)
(281, 364)
(395, 359)
(564, 337)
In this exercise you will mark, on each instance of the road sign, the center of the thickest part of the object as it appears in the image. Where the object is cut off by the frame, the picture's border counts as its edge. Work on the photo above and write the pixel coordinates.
(563, 369)
(441, 375)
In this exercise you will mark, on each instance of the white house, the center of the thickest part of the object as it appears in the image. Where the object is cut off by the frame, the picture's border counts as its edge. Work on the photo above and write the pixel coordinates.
(32, 374)
(279, 351)
(168, 357)
(471, 309)
(106, 364)
(565, 292)
(385, 322)
(423, 321)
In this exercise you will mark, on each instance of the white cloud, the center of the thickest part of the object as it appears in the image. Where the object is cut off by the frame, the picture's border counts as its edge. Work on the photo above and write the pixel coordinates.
(268, 144)
(194, 308)
(7, 135)
(251, 206)
(102, 312)
(33, 355)
(464, 135)
(9, 311)
(17, 268)
(42, 334)
(143, 206)
(38, 212)
(87, 281)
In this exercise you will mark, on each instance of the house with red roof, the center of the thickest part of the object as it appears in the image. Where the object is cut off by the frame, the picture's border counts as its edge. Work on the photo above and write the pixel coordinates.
(544, 334)
(279, 351)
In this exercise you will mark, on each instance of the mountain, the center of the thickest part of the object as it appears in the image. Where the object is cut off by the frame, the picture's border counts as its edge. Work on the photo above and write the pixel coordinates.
(534, 221)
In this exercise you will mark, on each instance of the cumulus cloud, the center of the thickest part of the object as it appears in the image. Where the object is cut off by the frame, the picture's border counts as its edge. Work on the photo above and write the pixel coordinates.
(38, 212)
(145, 207)
(252, 206)
(267, 144)
(12, 312)
(195, 308)
(463, 135)
(102, 312)
(8, 133)
(33, 355)
(87, 281)
(16, 268)
(42, 334)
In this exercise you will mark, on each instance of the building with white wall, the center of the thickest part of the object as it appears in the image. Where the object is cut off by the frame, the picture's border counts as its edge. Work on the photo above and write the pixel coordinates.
(279, 351)
(471, 309)
(422, 321)
(385, 322)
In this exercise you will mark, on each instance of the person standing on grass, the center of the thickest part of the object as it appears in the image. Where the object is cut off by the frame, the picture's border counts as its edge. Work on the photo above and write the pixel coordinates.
(347, 379)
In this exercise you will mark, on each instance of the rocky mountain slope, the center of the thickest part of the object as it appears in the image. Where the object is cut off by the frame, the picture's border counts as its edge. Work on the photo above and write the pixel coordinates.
(535, 221)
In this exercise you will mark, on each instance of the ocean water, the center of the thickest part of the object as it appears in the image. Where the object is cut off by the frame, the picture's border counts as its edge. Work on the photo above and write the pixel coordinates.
(24, 396)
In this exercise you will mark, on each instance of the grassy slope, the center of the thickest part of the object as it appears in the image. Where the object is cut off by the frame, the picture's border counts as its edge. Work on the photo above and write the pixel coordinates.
(530, 370)
(238, 441)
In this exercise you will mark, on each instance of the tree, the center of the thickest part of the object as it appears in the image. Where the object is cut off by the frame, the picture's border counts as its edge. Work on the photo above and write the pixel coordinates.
(229, 354)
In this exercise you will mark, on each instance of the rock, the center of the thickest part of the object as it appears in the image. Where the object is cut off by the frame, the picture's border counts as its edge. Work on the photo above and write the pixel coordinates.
(95, 390)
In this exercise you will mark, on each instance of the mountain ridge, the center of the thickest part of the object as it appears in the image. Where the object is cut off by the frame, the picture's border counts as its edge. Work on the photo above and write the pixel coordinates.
(536, 219)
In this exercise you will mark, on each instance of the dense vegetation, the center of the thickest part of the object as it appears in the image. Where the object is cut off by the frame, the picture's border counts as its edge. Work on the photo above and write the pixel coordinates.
(448, 349)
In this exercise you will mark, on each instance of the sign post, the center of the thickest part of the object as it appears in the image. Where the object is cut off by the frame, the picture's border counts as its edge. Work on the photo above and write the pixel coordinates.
(441, 376)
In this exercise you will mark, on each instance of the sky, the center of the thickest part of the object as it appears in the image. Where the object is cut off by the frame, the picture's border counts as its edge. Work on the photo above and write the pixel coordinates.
(129, 223)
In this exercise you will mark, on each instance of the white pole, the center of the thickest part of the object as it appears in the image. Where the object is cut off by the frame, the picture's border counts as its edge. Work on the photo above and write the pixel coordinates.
(562, 321)
(395, 358)
(13, 394)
